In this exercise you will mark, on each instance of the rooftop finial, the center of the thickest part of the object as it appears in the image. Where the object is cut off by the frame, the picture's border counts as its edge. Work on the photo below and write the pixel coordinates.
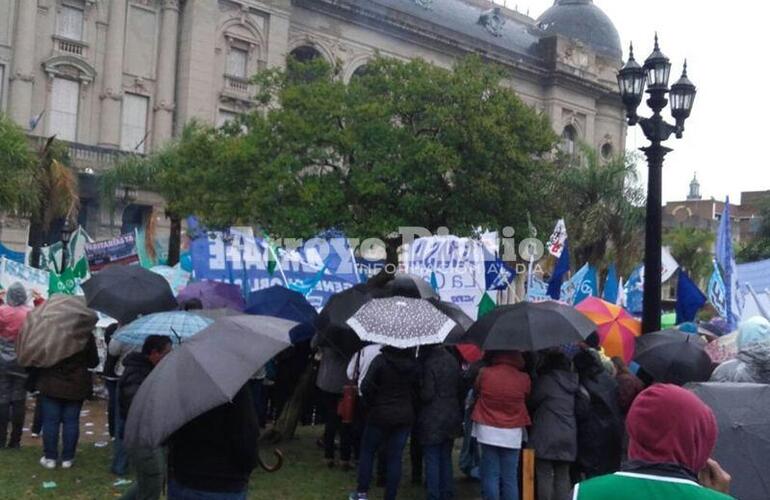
(631, 51)
(656, 41)
(684, 70)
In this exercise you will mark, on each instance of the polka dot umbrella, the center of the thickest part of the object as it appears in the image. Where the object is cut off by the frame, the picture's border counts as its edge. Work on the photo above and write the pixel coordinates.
(616, 328)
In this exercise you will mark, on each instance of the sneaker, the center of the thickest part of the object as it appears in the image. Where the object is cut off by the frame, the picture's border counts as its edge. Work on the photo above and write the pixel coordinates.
(67, 464)
(47, 463)
(358, 496)
(35, 435)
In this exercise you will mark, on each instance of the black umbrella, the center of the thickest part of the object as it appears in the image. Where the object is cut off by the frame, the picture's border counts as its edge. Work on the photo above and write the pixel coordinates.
(462, 320)
(331, 324)
(126, 292)
(527, 326)
(743, 446)
(673, 357)
(409, 285)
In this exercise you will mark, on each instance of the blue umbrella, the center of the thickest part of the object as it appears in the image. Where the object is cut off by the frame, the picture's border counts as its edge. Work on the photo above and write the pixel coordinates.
(280, 302)
(178, 325)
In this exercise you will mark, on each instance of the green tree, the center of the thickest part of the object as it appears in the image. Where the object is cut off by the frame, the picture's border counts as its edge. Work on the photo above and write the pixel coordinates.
(692, 249)
(17, 164)
(603, 208)
(759, 247)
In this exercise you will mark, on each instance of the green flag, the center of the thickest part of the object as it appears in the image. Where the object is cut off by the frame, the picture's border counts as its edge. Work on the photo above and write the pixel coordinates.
(486, 305)
(62, 283)
(81, 268)
(272, 254)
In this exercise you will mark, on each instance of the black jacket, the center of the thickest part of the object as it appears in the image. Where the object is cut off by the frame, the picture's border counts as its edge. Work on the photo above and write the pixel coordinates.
(390, 387)
(552, 406)
(441, 397)
(70, 378)
(136, 368)
(218, 450)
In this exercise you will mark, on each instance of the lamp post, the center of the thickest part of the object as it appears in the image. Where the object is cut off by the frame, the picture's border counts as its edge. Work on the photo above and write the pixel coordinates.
(632, 79)
(66, 235)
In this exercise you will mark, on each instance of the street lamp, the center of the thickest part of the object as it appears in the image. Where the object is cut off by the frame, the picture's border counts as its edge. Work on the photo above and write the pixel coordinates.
(632, 80)
(66, 234)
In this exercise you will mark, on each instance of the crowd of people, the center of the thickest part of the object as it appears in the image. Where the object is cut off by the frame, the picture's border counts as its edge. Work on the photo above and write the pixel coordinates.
(594, 426)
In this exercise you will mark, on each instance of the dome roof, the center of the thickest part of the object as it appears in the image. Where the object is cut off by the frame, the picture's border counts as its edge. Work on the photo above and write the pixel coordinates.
(582, 20)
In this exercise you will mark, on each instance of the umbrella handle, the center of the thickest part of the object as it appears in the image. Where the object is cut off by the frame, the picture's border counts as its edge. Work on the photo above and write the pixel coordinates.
(278, 463)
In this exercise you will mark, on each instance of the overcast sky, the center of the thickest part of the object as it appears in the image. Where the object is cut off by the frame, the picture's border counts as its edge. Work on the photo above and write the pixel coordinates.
(727, 44)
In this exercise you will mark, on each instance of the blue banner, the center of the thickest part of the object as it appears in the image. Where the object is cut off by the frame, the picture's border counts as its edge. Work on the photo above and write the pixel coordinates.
(242, 259)
(717, 294)
(118, 250)
(635, 291)
(11, 255)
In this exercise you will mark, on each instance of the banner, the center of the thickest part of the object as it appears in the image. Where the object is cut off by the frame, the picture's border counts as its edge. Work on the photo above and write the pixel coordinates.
(668, 265)
(538, 291)
(35, 281)
(11, 255)
(716, 292)
(589, 286)
(571, 288)
(558, 239)
(50, 256)
(634, 291)
(458, 264)
(118, 250)
(243, 259)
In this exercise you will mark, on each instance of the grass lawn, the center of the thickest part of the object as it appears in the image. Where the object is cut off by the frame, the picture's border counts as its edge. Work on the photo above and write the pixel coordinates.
(303, 476)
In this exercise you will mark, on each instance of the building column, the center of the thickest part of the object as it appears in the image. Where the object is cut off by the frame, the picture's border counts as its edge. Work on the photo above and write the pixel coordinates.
(112, 90)
(164, 93)
(278, 41)
(22, 78)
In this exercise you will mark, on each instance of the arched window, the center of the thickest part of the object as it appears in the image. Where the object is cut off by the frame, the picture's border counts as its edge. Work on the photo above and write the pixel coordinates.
(607, 151)
(305, 53)
(360, 71)
(569, 140)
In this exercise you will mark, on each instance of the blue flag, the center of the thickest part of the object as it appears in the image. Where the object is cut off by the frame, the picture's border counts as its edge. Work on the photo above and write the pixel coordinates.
(497, 274)
(561, 268)
(689, 299)
(570, 287)
(588, 286)
(537, 291)
(610, 293)
(716, 292)
(726, 260)
(635, 291)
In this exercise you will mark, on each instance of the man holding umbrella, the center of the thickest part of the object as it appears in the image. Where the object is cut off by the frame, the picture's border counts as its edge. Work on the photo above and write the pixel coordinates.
(149, 463)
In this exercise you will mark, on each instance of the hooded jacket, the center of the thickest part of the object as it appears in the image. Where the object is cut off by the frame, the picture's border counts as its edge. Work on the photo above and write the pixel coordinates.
(441, 396)
(390, 388)
(751, 365)
(502, 389)
(11, 321)
(554, 427)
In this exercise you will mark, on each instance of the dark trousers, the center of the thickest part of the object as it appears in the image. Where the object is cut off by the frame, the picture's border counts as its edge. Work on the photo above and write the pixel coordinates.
(438, 470)
(37, 418)
(112, 401)
(415, 456)
(553, 479)
(334, 426)
(394, 441)
(149, 465)
(64, 415)
(258, 395)
(12, 413)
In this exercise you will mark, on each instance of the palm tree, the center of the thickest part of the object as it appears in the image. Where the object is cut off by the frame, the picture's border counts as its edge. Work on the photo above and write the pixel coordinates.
(16, 167)
(692, 249)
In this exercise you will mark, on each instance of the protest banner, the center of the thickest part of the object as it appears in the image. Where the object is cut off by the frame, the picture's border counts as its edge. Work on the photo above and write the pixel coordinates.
(35, 281)
(118, 250)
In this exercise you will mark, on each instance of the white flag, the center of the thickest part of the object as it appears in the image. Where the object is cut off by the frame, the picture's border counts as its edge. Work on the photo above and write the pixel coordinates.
(667, 265)
(557, 239)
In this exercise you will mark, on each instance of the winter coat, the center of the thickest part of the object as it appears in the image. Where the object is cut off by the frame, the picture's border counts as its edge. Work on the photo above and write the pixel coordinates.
(554, 427)
(390, 389)
(70, 379)
(752, 365)
(11, 321)
(502, 390)
(441, 397)
(331, 371)
(600, 424)
(136, 368)
(217, 451)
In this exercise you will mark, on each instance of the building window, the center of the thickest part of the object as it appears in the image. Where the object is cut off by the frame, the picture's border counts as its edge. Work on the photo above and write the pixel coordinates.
(569, 140)
(237, 62)
(65, 98)
(70, 22)
(305, 54)
(225, 116)
(607, 151)
(133, 135)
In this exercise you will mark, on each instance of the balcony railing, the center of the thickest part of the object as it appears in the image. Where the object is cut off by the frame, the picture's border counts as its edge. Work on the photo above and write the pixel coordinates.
(239, 88)
(72, 47)
(88, 158)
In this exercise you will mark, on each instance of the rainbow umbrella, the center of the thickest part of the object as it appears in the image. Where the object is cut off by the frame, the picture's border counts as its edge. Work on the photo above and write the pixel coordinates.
(616, 328)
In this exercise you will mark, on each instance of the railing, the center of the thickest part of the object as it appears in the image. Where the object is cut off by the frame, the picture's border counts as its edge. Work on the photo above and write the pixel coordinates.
(86, 157)
(239, 87)
(73, 47)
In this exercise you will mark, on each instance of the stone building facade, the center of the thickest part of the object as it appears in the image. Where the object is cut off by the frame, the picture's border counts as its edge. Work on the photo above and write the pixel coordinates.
(113, 77)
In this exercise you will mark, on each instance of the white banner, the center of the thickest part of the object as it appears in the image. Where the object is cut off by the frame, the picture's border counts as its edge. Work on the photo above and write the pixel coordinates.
(557, 239)
(458, 264)
(35, 281)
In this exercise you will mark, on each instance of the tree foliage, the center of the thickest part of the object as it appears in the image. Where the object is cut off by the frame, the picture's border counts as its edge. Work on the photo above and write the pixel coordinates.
(17, 164)
(603, 207)
(692, 249)
(759, 247)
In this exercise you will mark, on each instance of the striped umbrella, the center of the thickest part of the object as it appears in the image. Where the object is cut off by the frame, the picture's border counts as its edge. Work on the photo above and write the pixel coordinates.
(617, 329)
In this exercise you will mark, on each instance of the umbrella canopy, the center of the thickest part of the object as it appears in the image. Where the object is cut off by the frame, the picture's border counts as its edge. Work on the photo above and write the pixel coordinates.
(456, 314)
(178, 325)
(216, 314)
(401, 322)
(743, 444)
(331, 324)
(202, 374)
(283, 303)
(616, 328)
(55, 331)
(126, 292)
(528, 326)
(214, 295)
(409, 285)
(673, 357)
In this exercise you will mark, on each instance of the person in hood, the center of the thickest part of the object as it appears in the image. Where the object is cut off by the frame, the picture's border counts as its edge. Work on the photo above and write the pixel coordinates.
(13, 378)
(671, 434)
(600, 423)
(554, 428)
(499, 418)
(440, 418)
(752, 364)
(389, 392)
(149, 464)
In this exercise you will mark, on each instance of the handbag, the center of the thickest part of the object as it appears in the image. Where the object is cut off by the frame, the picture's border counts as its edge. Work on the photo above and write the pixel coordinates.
(346, 408)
